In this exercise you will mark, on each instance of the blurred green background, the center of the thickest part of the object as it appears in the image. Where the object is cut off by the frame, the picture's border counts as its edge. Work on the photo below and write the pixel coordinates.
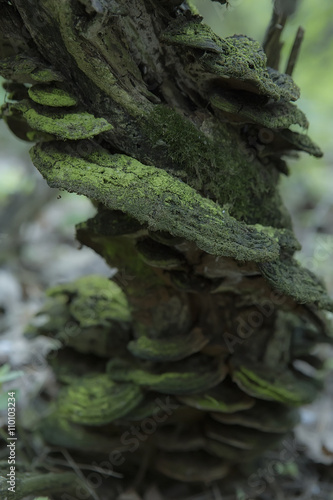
(308, 190)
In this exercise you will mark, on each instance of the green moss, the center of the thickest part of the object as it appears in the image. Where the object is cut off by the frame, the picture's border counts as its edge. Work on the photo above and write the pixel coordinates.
(193, 376)
(300, 142)
(96, 301)
(166, 127)
(192, 34)
(26, 69)
(172, 349)
(237, 57)
(153, 197)
(46, 75)
(212, 164)
(285, 387)
(62, 125)
(285, 237)
(14, 67)
(51, 96)
(289, 278)
(91, 315)
(97, 400)
(280, 114)
(88, 58)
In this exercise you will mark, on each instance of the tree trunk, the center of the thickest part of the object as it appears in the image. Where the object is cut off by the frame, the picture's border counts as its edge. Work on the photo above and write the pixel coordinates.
(193, 360)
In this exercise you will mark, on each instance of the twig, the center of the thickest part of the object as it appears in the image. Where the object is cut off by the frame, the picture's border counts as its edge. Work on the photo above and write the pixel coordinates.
(78, 472)
(294, 53)
(58, 461)
(272, 44)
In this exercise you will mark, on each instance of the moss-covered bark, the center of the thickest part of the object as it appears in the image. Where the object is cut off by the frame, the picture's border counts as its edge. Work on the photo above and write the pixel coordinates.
(177, 136)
